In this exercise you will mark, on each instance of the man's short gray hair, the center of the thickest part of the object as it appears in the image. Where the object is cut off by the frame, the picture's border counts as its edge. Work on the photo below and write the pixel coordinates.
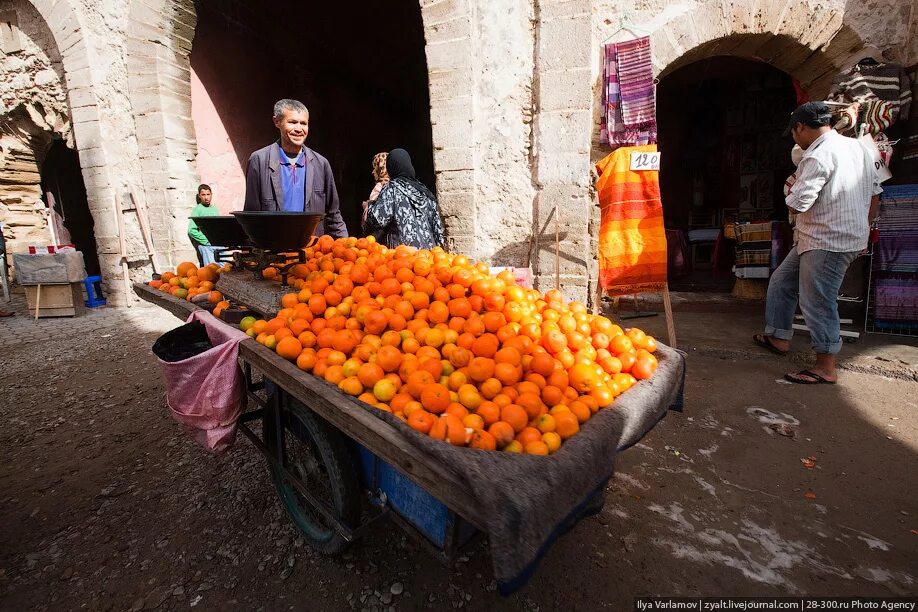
(287, 103)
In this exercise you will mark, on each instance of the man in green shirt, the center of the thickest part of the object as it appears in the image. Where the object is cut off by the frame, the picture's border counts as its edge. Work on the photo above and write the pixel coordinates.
(202, 246)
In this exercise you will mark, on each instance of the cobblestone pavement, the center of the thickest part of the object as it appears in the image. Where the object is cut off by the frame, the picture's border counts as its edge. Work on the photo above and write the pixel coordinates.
(106, 505)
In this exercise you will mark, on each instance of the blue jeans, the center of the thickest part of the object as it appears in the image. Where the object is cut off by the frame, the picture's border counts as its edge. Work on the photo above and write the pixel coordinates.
(813, 279)
(206, 254)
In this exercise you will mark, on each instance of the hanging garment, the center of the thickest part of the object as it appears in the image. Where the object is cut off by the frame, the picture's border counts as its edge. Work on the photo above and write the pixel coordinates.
(632, 241)
(878, 115)
(886, 82)
(635, 76)
(613, 128)
(756, 249)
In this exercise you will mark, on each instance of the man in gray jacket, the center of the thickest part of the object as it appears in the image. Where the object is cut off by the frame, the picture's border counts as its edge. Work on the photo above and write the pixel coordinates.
(286, 175)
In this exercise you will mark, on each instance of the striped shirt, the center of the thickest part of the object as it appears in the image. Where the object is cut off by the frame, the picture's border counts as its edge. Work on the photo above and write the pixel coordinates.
(835, 181)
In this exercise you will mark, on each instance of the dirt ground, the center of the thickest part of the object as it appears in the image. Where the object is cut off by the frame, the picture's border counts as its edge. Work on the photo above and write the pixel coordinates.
(106, 505)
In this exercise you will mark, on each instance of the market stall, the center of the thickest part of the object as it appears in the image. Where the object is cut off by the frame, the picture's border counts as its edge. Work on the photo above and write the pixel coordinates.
(445, 488)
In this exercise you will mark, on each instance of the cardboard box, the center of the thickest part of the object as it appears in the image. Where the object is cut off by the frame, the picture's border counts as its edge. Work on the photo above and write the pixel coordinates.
(64, 300)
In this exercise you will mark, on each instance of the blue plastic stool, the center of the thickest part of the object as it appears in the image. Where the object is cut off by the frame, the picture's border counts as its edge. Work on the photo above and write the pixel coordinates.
(93, 286)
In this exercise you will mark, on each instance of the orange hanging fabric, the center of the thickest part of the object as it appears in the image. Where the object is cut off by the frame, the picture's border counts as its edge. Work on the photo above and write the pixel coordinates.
(632, 240)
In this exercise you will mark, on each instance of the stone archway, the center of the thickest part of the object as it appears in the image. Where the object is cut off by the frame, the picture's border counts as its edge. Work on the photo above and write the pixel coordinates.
(159, 73)
(810, 43)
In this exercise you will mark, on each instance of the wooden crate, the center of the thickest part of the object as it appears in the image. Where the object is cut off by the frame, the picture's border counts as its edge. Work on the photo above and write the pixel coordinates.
(65, 300)
(750, 288)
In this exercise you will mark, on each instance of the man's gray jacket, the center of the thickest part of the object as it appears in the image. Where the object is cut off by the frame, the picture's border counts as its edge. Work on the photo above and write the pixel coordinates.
(263, 190)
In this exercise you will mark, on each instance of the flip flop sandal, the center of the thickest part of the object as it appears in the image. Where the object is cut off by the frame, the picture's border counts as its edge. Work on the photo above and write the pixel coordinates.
(763, 341)
(817, 379)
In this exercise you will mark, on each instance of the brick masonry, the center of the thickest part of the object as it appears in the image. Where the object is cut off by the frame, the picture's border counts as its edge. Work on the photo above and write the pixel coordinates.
(514, 105)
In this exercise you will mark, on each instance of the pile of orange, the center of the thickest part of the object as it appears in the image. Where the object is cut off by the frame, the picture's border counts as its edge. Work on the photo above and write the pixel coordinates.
(188, 281)
(461, 356)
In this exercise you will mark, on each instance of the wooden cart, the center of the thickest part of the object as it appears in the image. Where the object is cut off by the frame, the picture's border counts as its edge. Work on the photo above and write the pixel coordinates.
(324, 448)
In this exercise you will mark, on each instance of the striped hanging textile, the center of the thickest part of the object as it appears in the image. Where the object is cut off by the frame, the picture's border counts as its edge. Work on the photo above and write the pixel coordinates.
(632, 241)
(754, 250)
(613, 129)
(635, 76)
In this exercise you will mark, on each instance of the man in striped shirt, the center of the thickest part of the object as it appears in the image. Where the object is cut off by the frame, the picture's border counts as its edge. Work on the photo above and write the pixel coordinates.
(834, 198)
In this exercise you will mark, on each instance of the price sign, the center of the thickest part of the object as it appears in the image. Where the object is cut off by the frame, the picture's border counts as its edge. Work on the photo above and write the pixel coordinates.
(645, 161)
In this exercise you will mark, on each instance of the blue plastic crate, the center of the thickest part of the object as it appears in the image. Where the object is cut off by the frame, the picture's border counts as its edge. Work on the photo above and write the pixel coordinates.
(422, 510)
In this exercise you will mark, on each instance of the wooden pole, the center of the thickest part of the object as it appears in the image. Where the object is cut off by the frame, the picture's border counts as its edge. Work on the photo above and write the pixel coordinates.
(119, 212)
(37, 300)
(557, 248)
(670, 324)
(144, 221)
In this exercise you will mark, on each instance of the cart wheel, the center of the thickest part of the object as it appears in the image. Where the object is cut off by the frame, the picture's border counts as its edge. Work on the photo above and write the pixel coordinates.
(318, 455)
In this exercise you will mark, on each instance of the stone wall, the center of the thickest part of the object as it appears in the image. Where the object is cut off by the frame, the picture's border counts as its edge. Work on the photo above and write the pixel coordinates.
(513, 93)
(33, 110)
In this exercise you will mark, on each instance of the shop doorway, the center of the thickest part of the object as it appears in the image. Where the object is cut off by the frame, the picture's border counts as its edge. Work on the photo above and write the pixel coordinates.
(724, 158)
(62, 179)
(363, 76)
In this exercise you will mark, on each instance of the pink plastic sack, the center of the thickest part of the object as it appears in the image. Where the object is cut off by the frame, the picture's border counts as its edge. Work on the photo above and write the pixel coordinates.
(206, 392)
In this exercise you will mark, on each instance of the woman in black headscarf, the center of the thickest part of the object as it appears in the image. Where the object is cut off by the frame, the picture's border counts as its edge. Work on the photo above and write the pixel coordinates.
(405, 211)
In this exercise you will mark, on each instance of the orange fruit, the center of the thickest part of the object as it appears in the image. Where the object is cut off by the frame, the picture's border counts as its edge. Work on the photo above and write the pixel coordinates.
(307, 360)
(506, 373)
(543, 364)
(603, 394)
(389, 358)
(351, 385)
(435, 398)
(416, 381)
(489, 412)
(369, 374)
(513, 447)
(514, 415)
(642, 369)
(483, 440)
(531, 403)
(627, 360)
(559, 379)
(334, 374)
(566, 424)
(450, 429)
(583, 377)
(527, 435)
(552, 396)
(502, 432)
(421, 420)
(580, 410)
(536, 448)
(289, 348)
(508, 355)
(456, 380)
(186, 268)
(552, 440)
(457, 409)
(481, 369)
(384, 390)
(620, 344)
(473, 421)
(485, 345)
(469, 396)
(544, 423)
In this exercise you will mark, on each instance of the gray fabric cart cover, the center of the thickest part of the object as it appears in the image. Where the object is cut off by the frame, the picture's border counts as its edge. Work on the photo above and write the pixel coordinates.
(49, 269)
(531, 500)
